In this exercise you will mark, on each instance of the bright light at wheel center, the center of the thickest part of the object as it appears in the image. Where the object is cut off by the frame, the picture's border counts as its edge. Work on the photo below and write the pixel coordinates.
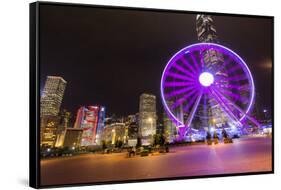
(206, 79)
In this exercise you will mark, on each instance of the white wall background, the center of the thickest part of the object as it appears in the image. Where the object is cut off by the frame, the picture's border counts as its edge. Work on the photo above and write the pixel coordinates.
(14, 76)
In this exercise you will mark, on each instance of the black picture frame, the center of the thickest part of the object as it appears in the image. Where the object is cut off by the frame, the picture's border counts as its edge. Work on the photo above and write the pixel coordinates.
(34, 98)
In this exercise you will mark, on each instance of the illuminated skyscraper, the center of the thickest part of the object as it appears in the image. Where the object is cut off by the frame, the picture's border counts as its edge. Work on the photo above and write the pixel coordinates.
(170, 129)
(206, 30)
(101, 125)
(50, 120)
(213, 60)
(147, 117)
(91, 120)
(52, 96)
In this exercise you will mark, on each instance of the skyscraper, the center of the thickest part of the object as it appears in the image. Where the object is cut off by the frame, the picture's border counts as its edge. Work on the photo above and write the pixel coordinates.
(147, 117)
(213, 60)
(91, 120)
(101, 125)
(52, 96)
(50, 120)
(206, 31)
(170, 129)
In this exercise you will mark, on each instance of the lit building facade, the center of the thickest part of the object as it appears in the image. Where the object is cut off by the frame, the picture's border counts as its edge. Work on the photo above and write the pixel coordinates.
(73, 137)
(116, 131)
(91, 120)
(170, 129)
(64, 117)
(48, 130)
(52, 95)
(53, 129)
(101, 125)
(147, 117)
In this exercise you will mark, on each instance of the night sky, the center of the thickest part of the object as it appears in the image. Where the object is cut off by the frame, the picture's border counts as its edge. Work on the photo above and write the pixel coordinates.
(109, 57)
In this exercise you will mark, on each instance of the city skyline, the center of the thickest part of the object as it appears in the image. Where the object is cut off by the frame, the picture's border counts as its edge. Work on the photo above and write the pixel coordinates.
(96, 78)
(153, 95)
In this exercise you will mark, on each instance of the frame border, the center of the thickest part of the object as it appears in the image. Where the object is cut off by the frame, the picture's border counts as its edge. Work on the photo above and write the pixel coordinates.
(34, 94)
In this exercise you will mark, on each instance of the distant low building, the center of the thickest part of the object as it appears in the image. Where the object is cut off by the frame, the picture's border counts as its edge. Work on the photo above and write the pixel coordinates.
(115, 132)
(73, 137)
(48, 130)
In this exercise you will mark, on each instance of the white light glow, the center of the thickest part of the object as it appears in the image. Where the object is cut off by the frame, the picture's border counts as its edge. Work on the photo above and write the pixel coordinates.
(206, 79)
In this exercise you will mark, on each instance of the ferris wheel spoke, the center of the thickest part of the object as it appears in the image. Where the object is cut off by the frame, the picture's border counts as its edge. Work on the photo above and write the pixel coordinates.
(225, 107)
(187, 64)
(223, 66)
(215, 104)
(240, 110)
(195, 63)
(229, 93)
(183, 99)
(177, 84)
(223, 96)
(229, 86)
(223, 93)
(205, 109)
(234, 69)
(202, 62)
(183, 70)
(178, 92)
(179, 76)
(194, 109)
(238, 78)
(190, 102)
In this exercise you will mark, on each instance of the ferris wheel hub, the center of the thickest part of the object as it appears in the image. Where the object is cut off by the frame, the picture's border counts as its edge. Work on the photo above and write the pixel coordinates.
(206, 79)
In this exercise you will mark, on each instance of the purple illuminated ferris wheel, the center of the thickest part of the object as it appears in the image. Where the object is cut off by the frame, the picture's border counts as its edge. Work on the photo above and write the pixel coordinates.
(207, 83)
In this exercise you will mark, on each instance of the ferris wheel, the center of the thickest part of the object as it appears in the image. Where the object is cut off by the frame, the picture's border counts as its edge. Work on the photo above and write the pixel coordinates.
(210, 82)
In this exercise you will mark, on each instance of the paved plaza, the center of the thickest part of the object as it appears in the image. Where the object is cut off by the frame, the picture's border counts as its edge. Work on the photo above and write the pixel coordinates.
(251, 154)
